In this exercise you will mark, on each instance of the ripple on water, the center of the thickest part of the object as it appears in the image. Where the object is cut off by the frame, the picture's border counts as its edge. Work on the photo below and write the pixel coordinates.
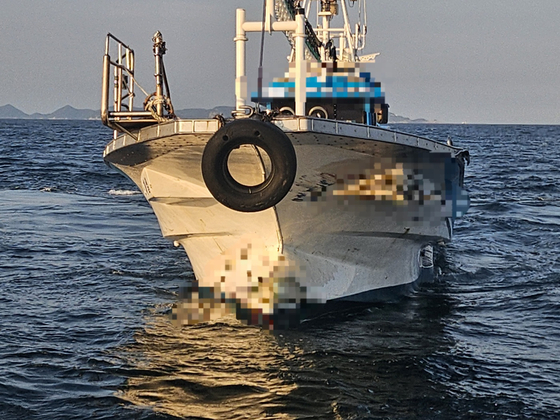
(88, 284)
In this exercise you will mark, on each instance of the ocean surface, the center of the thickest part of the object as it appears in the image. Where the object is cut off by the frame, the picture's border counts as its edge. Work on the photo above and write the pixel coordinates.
(87, 284)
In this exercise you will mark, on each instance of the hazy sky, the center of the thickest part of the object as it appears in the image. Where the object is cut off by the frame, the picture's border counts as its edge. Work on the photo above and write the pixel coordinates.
(478, 61)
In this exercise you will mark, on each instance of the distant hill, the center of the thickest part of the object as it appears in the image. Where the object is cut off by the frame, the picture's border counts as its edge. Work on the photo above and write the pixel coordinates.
(404, 120)
(205, 113)
(65, 113)
(9, 111)
(69, 113)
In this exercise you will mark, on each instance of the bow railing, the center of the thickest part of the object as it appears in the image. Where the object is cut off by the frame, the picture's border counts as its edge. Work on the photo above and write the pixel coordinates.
(117, 104)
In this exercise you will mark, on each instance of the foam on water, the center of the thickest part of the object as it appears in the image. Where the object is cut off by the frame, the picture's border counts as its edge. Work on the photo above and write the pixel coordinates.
(124, 192)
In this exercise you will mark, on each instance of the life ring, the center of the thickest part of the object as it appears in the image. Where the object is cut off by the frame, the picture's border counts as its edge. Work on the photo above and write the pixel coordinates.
(230, 192)
(286, 110)
(318, 112)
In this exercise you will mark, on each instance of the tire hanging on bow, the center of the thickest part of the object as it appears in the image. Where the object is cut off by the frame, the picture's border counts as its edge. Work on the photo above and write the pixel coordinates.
(223, 186)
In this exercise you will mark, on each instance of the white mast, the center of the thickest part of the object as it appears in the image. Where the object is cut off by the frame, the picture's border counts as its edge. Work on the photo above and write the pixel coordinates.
(296, 26)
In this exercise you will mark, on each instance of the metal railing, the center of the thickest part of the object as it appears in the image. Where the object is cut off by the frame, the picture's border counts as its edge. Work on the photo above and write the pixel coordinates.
(117, 110)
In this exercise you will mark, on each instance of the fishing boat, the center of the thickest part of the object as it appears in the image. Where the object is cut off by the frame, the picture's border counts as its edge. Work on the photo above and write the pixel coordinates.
(303, 197)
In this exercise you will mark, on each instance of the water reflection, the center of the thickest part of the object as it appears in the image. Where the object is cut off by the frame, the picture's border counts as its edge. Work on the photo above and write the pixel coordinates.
(214, 370)
(375, 362)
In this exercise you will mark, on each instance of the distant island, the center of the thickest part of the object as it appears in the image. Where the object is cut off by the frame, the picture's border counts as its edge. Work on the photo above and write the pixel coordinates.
(70, 113)
(64, 113)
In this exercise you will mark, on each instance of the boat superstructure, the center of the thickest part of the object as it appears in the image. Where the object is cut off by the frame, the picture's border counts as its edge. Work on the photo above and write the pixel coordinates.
(304, 197)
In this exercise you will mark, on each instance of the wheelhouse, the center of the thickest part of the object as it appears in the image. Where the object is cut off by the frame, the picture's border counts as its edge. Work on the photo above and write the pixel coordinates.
(334, 90)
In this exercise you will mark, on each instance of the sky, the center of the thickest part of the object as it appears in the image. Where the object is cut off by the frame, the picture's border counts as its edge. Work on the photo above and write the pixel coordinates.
(474, 61)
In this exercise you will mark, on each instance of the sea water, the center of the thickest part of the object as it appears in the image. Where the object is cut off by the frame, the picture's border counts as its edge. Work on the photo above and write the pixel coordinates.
(88, 283)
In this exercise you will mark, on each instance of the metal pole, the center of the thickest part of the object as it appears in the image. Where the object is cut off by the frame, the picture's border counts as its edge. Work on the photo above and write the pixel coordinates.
(130, 65)
(105, 89)
(268, 18)
(347, 31)
(326, 36)
(159, 50)
(240, 75)
(301, 65)
(118, 80)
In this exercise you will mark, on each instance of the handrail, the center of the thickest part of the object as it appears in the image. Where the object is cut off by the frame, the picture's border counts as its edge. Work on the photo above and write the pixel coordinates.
(113, 37)
(157, 106)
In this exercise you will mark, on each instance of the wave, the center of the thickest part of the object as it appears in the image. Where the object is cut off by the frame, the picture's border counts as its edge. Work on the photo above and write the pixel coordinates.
(124, 192)
(49, 189)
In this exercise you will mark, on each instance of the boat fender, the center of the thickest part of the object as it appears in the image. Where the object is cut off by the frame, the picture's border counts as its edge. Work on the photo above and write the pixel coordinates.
(235, 195)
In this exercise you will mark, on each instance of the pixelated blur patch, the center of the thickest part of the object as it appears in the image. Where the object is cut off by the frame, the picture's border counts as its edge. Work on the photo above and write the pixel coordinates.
(326, 80)
(339, 90)
(259, 286)
(396, 184)
(424, 189)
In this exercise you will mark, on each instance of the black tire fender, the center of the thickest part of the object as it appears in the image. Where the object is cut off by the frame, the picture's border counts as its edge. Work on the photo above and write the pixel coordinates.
(229, 192)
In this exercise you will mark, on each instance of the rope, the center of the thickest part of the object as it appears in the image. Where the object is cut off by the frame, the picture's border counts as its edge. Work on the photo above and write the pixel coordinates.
(138, 84)
(151, 103)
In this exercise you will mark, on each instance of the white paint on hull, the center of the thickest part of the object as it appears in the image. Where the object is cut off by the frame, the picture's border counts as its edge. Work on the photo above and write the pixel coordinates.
(334, 246)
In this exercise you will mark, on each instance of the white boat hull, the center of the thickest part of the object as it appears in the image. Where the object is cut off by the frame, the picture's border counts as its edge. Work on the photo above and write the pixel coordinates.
(328, 239)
